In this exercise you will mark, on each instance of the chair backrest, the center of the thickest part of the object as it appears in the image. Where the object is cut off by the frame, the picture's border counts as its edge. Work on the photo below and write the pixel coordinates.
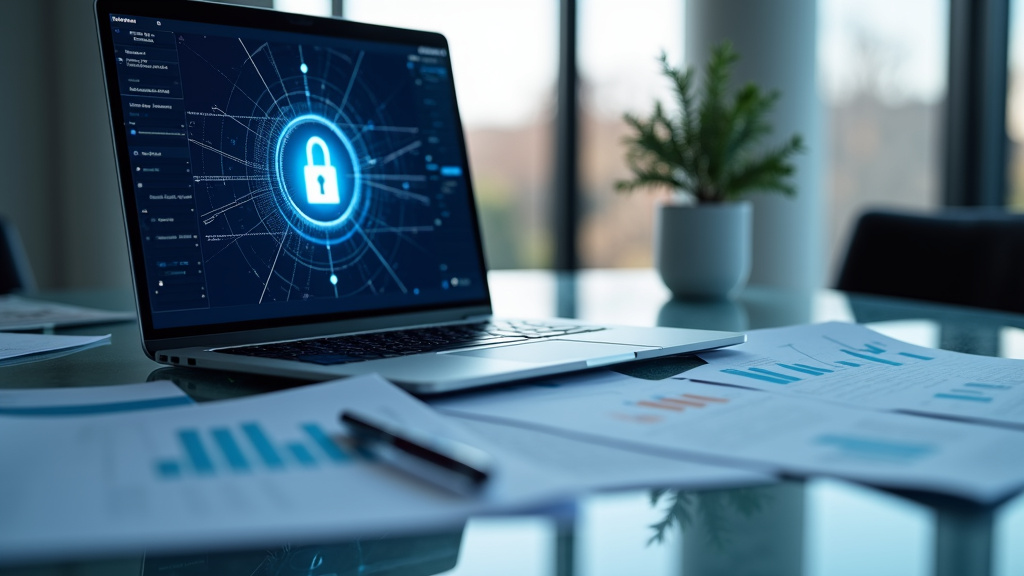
(15, 272)
(967, 256)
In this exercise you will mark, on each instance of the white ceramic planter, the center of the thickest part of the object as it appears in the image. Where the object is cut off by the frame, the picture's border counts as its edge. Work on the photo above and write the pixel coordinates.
(703, 251)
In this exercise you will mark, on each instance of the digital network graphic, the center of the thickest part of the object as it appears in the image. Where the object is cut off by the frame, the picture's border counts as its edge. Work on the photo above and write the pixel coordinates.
(309, 169)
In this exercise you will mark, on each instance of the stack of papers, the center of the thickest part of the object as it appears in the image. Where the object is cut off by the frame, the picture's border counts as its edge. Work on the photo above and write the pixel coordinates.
(247, 471)
(272, 468)
(822, 399)
(852, 365)
(17, 348)
(109, 470)
(764, 432)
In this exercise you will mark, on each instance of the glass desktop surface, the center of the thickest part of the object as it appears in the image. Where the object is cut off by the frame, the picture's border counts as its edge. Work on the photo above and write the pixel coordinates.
(810, 527)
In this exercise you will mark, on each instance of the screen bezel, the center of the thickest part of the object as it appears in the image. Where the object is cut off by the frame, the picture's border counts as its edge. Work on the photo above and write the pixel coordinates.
(263, 19)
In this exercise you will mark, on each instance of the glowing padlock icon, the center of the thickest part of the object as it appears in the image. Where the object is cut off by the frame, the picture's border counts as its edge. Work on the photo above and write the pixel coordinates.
(321, 180)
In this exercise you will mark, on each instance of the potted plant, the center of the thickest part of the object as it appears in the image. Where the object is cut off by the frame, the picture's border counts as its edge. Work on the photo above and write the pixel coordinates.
(709, 156)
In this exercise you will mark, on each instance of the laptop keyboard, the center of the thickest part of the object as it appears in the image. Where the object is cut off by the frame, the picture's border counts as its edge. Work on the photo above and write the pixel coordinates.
(376, 345)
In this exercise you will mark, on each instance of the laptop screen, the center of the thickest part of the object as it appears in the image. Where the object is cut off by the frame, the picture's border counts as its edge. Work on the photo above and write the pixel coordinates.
(295, 170)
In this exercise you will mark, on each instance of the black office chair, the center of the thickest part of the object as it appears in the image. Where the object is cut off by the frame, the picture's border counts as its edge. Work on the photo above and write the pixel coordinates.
(15, 272)
(966, 256)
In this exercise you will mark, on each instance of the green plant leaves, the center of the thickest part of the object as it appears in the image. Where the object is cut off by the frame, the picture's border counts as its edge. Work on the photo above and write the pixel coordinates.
(709, 149)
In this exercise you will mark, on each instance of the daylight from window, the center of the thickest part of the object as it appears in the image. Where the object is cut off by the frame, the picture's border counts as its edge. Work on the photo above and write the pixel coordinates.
(505, 64)
(1015, 108)
(883, 82)
(882, 85)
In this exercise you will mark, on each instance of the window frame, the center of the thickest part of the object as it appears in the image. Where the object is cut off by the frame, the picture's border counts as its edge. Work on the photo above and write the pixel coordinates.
(975, 142)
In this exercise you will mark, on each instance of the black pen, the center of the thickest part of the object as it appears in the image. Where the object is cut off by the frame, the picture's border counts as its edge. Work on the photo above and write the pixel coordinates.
(447, 463)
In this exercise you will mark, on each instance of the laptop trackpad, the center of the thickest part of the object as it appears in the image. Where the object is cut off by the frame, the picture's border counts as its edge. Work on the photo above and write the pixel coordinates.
(557, 352)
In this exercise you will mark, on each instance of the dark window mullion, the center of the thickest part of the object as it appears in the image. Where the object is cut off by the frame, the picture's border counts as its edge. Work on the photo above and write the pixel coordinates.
(565, 195)
(976, 142)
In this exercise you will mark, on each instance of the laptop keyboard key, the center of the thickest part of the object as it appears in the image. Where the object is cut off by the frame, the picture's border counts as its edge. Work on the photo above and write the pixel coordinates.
(377, 345)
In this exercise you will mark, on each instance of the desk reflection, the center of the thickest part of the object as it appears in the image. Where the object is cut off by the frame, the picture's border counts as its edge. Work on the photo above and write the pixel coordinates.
(818, 527)
(410, 556)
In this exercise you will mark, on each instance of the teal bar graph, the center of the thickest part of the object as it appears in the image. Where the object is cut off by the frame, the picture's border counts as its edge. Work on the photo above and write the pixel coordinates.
(876, 448)
(248, 448)
(326, 444)
(168, 469)
(774, 374)
(228, 446)
(196, 452)
(987, 386)
(262, 445)
(867, 354)
(870, 358)
(762, 377)
(815, 368)
(302, 454)
(964, 397)
(804, 369)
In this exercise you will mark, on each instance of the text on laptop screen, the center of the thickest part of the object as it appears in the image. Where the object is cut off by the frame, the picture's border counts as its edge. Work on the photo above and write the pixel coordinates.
(278, 174)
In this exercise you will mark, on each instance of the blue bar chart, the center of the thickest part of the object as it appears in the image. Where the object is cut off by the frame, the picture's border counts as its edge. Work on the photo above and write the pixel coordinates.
(763, 375)
(974, 392)
(220, 451)
(964, 397)
(846, 357)
(985, 386)
(875, 449)
(805, 369)
(869, 358)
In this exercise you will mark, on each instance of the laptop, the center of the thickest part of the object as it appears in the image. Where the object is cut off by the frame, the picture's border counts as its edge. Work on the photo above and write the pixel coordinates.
(298, 202)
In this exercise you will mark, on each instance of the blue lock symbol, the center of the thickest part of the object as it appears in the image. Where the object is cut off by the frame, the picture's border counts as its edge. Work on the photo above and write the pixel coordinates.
(321, 180)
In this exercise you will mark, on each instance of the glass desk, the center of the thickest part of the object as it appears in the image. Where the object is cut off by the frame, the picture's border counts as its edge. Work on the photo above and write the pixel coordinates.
(813, 527)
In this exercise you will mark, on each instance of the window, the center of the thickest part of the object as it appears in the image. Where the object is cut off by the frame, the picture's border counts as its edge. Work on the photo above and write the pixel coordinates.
(884, 83)
(504, 59)
(618, 47)
(311, 7)
(1015, 108)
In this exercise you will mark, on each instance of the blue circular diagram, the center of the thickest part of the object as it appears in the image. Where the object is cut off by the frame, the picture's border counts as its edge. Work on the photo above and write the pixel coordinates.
(310, 178)
(319, 183)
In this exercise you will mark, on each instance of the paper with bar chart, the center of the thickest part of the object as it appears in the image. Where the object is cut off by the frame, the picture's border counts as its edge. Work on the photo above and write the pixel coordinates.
(257, 470)
(854, 365)
(767, 432)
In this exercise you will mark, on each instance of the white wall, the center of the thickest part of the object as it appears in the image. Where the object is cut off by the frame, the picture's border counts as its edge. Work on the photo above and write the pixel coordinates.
(777, 43)
(27, 124)
(59, 183)
(57, 159)
(93, 250)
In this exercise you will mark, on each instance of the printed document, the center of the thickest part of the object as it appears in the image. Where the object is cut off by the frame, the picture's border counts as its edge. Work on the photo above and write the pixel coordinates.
(853, 365)
(766, 432)
(91, 399)
(262, 470)
(593, 466)
(16, 348)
